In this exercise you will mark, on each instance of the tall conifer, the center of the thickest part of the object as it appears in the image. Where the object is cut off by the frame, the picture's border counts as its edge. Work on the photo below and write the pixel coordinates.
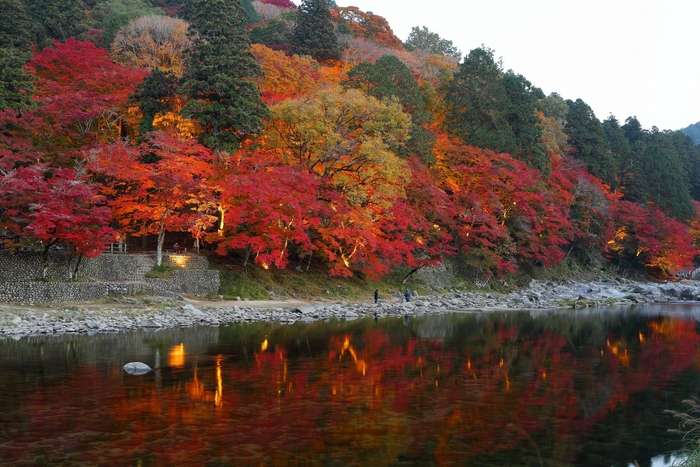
(16, 85)
(219, 74)
(56, 19)
(313, 34)
(479, 104)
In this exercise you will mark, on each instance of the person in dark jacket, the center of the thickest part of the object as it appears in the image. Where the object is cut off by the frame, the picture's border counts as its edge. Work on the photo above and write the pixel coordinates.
(376, 296)
(407, 295)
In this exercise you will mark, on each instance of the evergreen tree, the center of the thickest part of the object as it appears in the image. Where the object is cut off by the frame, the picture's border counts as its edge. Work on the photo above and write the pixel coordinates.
(152, 95)
(633, 130)
(524, 122)
(389, 78)
(186, 10)
(277, 32)
(16, 85)
(479, 103)
(250, 14)
(554, 106)
(632, 179)
(14, 26)
(56, 19)
(431, 42)
(112, 15)
(588, 142)
(313, 33)
(617, 140)
(689, 154)
(219, 75)
(665, 179)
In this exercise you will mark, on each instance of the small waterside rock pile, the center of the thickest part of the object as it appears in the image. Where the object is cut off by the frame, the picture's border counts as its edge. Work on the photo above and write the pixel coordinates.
(160, 313)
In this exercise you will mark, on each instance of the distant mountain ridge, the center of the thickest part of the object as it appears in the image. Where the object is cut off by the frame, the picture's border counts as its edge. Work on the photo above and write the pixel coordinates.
(693, 131)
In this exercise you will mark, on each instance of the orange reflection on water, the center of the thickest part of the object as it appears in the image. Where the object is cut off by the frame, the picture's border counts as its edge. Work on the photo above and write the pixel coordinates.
(384, 416)
(176, 356)
(219, 383)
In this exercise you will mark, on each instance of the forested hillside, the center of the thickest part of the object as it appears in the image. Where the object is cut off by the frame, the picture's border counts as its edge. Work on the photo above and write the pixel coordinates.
(282, 136)
(693, 131)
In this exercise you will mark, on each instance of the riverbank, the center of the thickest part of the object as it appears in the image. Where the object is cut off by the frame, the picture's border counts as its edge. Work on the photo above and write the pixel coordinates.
(132, 312)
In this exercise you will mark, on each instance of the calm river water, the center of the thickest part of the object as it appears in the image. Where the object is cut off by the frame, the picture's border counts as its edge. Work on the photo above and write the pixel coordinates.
(573, 388)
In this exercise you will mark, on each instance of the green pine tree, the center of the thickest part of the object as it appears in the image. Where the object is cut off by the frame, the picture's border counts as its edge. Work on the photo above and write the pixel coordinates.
(666, 181)
(112, 15)
(525, 124)
(186, 10)
(479, 104)
(314, 34)
(219, 75)
(588, 142)
(617, 141)
(56, 19)
(431, 42)
(250, 13)
(151, 96)
(14, 26)
(633, 182)
(16, 85)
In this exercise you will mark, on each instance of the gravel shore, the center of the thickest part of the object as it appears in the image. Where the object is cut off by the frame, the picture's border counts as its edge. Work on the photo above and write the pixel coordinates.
(125, 313)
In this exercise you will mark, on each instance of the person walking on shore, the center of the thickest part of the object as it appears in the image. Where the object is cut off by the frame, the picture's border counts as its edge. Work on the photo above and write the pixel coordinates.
(407, 296)
(376, 296)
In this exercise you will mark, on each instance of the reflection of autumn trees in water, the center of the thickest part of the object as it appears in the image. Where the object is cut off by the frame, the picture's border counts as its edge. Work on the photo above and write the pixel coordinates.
(488, 391)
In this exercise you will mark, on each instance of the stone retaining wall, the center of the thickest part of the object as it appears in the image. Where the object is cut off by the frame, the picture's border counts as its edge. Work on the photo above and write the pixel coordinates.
(44, 292)
(108, 267)
(20, 275)
(28, 265)
(190, 282)
(183, 282)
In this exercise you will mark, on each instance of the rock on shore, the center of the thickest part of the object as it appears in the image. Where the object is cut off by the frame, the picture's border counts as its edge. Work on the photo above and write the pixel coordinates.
(150, 313)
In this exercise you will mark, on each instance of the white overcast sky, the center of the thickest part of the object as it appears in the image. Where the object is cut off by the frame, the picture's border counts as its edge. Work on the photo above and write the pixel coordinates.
(622, 57)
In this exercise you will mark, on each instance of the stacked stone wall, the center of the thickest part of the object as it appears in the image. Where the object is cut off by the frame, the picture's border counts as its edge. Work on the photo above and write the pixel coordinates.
(189, 282)
(47, 292)
(29, 266)
(20, 275)
(108, 267)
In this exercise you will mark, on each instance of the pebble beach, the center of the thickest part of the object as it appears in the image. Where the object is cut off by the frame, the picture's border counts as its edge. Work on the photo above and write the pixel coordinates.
(127, 313)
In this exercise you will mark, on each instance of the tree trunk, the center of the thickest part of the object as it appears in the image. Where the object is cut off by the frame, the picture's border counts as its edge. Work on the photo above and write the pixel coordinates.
(74, 275)
(45, 259)
(159, 250)
(247, 256)
(410, 274)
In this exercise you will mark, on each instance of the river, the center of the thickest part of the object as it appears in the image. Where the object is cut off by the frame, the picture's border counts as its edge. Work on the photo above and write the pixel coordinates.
(567, 388)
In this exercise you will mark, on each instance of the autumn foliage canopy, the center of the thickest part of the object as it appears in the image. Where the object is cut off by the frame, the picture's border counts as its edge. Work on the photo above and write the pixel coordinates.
(348, 177)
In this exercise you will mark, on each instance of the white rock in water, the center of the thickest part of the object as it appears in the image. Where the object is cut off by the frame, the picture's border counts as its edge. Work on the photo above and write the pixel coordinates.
(306, 309)
(136, 368)
(350, 315)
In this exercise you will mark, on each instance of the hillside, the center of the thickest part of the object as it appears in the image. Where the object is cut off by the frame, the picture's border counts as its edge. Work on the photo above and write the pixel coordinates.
(287, 138)
(693, 131)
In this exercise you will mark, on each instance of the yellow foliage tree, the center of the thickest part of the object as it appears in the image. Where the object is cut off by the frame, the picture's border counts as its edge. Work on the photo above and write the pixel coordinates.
(347, 137)
(152, 42)
(283, 75)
